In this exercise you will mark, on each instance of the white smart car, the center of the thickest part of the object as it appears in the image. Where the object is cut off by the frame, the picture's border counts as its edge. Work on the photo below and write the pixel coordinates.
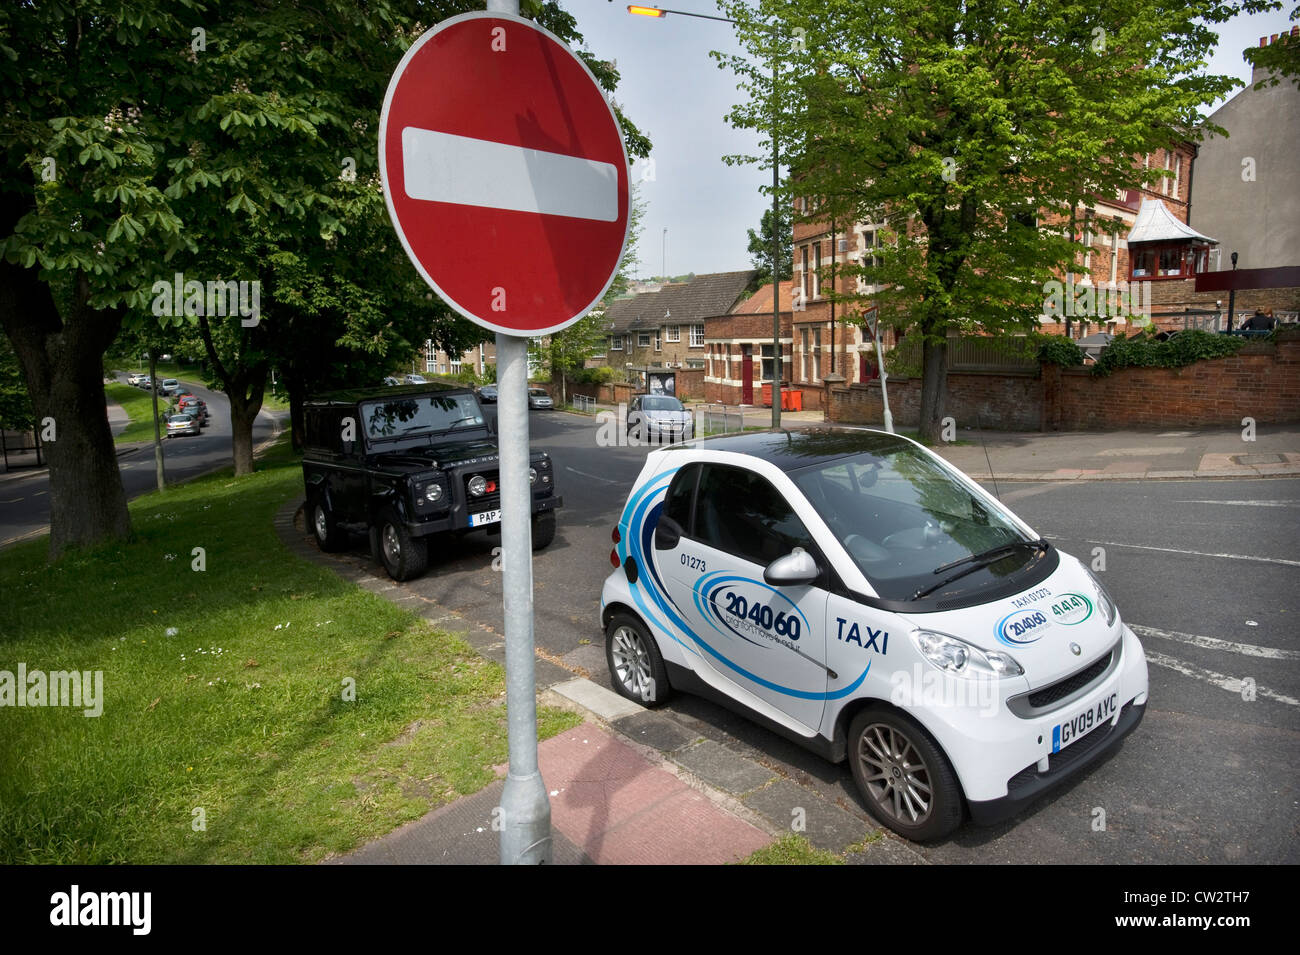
(853, 592)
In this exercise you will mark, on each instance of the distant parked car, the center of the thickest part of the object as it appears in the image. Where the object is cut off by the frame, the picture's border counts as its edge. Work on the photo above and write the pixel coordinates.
(391, 382)
(169, 387)
(189, 404)
(416, 380)
(144, 381)
(488, 393)
(538, 398)
(135, 378)
(659, 418)
(182, 424)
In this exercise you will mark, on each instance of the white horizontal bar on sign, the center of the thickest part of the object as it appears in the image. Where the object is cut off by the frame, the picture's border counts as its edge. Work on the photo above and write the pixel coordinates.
(441, 167)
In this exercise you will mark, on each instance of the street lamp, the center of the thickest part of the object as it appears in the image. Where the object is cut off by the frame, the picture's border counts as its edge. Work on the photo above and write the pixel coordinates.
(659, 13)
(1232, 292)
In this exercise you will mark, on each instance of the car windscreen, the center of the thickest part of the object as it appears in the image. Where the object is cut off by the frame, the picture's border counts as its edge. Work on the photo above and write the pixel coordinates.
(420, 414)
(660, 403)
(903, 519)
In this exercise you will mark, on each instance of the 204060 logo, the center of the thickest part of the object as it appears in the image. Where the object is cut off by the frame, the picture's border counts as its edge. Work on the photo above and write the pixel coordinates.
(762, 615)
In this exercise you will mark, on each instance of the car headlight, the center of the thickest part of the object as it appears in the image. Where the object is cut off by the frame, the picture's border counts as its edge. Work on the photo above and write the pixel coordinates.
(963, 659)
(532, 475)
(477, 485)
(1104, 602)
(433, 493)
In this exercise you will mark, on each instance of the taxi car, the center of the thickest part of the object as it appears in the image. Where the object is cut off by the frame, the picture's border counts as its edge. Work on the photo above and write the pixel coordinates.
(855, 593)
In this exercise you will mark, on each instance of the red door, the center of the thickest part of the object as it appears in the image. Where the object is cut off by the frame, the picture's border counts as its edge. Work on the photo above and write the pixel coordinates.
(747, 375)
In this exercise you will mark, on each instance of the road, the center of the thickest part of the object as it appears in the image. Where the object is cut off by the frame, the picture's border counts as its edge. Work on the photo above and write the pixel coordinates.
(1204, 571)
(24, 497)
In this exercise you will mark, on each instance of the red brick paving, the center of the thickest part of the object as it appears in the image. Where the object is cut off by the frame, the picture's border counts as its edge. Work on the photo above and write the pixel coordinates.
(622, 810)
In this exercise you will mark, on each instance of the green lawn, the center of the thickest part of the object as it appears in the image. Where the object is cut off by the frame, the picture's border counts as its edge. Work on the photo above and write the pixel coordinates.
(224, 691)
(792, 849)
(138, 405)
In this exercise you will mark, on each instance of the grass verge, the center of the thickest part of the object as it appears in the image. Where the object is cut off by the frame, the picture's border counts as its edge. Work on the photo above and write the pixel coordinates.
(227, 734)
(138, 405)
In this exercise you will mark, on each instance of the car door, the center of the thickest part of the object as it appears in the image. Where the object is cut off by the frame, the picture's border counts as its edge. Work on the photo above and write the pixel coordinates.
(768, 641)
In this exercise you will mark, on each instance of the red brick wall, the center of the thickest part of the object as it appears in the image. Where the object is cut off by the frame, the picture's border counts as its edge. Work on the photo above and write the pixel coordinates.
(1262, 382)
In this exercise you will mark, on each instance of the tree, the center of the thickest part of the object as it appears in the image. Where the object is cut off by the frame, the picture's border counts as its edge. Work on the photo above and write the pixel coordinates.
(149, 137)
(760, 247)
(975, 131)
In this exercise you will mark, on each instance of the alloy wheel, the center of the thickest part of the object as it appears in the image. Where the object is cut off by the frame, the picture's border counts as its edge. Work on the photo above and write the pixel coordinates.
(896, 774)
(631, 661)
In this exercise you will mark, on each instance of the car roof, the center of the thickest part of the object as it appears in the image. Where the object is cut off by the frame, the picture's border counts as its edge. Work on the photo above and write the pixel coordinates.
(353, 395)
(793, 448)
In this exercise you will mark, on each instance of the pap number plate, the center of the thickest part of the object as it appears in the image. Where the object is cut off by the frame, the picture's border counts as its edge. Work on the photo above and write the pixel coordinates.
(487, 517)
(1063, 734)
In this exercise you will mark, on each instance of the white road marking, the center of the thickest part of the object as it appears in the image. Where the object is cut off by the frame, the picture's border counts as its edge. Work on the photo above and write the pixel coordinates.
(1247, 503)
(441, 167)
(592, 476)
(1213, 643)
(1230, 683)
(1193, 553)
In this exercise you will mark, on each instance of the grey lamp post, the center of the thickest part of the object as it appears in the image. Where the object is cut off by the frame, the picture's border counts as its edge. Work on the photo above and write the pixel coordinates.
(776, 207)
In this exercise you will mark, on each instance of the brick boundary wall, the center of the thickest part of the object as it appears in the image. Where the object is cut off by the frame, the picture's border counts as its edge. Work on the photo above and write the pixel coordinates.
(1262, 381)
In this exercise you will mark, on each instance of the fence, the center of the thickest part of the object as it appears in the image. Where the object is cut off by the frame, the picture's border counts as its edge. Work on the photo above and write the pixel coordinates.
(584, 402)
(716, 419)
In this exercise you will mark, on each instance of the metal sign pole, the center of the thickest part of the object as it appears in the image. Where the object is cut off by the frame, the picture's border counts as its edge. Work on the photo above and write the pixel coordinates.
(525, 808)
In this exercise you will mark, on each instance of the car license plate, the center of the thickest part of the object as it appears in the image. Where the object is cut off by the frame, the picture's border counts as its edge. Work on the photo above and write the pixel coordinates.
(487, 517)
(1078, 726)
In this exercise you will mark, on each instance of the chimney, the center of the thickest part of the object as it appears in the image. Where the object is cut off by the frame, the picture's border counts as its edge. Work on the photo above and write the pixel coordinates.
(1258, 73)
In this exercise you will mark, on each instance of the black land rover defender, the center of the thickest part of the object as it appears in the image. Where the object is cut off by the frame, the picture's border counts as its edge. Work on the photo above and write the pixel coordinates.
(405, 463)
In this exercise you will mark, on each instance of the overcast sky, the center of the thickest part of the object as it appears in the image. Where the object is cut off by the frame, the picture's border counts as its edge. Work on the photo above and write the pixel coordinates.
(676, 94)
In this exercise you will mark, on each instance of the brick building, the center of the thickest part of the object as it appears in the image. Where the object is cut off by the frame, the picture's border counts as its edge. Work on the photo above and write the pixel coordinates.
(665, 330)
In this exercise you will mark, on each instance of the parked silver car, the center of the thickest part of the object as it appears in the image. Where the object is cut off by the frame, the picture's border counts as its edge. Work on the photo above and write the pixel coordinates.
(659, 418)
(538, 398)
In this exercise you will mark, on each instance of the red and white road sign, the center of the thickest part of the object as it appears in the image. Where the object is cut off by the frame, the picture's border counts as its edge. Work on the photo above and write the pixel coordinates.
(505, 173)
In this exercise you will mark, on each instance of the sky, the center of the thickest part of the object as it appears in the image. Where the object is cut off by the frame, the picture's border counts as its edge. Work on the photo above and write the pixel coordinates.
(676, 94)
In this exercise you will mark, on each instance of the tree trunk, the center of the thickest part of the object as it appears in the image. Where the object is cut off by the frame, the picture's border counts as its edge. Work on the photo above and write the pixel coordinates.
(244, 385)
(297, 395)
(934, 389)
(62, 361)
(243, 412)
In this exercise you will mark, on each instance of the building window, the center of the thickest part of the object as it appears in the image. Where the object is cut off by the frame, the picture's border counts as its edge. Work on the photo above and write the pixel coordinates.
(817, 269)
(803, 273)
(697, 336)
(615, 343)
(455, 366)
(817, 354)
(768, 364)
(643, 339)
(695, 363)
(803, 354)
(1167, 261)
(674, 333)
(659, 340)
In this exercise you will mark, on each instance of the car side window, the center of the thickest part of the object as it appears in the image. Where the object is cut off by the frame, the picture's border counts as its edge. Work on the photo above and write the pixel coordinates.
(681, 495)
(740, 512)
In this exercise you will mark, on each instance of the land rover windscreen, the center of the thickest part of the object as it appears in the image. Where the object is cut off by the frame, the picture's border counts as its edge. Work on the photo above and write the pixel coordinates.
(395, 420)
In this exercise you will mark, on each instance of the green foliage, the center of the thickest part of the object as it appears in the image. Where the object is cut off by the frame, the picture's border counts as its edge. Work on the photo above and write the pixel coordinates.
(600, 375)
(760, 247)
(16, 412)
(957, 125)
(1185, 348)
(1059, 350)
(1281, 58)
(904, 360)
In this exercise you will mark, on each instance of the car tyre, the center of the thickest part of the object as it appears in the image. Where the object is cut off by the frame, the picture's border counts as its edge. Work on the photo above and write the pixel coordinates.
(329, 536)
(543, 529)
(903, 775)
(636, 668)
(403, 556)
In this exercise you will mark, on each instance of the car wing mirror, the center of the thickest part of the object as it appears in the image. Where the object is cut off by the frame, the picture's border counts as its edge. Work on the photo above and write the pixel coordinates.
(795, 569)
(667, 533)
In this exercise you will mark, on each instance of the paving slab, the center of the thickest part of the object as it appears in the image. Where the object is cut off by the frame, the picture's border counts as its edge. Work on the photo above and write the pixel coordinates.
(720, 767)
(649, 728)
(825, 825)
(604, 703)
(886, 851)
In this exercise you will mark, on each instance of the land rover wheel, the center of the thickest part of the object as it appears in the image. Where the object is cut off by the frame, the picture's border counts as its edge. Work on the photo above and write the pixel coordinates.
(543, 529)
(329, 535)
(635, 666)
(403, 556)
(906, 780)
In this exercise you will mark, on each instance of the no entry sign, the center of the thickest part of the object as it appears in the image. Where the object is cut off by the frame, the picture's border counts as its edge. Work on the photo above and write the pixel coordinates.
(505, 173)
